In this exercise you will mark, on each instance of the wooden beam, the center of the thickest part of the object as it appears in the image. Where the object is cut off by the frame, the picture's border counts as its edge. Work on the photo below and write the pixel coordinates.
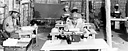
(118, 19)
(108, 22)
(87, 11)
(73, 0)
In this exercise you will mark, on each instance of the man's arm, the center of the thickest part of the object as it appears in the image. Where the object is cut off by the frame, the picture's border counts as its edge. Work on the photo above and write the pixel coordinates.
(7, 26)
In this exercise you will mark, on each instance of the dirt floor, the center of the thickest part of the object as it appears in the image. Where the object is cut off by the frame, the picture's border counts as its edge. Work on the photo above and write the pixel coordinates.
(119, 39)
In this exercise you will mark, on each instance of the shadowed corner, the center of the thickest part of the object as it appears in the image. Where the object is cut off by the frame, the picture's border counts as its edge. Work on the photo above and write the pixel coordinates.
(124, 36)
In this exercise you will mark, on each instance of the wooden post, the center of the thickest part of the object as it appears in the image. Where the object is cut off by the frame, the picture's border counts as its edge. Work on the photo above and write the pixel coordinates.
(87, 11)
(108, 22)
(21, 13)
(10, 6)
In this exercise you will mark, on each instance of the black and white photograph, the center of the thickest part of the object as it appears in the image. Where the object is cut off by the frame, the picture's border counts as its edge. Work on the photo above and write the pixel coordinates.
(63, 25)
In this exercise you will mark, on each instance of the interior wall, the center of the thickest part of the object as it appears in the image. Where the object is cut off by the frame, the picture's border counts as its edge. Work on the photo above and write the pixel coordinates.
(100, 3)
(122, 6)
(45, 11)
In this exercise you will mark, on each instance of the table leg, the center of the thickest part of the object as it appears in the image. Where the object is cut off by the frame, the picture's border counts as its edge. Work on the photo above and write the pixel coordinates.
(46, 50)
(105, 49)
(99, 49)
(4, 48)
(93, 35)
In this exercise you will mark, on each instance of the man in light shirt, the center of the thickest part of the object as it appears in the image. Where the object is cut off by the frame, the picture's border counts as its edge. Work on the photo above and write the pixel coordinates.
(76, 22)
(11, 24)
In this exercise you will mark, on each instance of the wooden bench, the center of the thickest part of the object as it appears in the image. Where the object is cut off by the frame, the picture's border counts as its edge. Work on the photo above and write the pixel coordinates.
(99, 44)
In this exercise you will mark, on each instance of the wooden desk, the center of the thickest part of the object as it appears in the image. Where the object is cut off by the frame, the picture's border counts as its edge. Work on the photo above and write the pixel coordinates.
(89, 44)
(118, 19)
(16, 45)
(59, 25)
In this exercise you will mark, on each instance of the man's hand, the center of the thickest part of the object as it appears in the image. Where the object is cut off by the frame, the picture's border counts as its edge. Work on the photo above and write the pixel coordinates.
(17, 28)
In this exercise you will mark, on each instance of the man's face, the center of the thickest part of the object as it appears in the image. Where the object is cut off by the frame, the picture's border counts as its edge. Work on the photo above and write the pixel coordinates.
(15, 15)
(74, 22)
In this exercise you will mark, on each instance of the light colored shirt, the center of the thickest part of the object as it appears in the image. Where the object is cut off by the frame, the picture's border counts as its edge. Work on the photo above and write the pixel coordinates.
(9, 24)
(79, 24)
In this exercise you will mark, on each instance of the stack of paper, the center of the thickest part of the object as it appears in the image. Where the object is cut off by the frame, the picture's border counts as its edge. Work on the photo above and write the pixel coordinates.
(24, 40)
(10, 42)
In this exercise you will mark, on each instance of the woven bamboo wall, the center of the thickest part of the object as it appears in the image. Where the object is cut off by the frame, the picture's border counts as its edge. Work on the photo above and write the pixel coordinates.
(97, 4)
(122, 4)
(47, 1)
(2, 4)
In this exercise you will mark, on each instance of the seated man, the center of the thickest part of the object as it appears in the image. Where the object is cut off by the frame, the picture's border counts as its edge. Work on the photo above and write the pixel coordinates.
(76, 26)
(76, 23)
(66, 13)
(65, 16)
(11, 24)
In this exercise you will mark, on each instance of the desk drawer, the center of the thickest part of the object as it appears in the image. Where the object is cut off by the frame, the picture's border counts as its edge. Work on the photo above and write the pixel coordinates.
(15, 49)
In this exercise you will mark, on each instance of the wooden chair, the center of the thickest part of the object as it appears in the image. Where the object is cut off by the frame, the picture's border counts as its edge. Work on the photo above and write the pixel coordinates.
(91, 28)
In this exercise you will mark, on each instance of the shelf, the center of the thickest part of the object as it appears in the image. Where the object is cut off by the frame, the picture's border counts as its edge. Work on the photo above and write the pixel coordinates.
(118, 19)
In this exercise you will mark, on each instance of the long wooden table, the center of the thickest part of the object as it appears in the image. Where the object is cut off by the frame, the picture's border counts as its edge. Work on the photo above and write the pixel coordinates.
(84, 45)
(15, 44)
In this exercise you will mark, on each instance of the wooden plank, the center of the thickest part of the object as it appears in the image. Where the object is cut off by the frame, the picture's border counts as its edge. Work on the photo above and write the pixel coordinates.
(73, 0)
(52, 2)
(108, 22)
(10, 5)
(87, 11)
